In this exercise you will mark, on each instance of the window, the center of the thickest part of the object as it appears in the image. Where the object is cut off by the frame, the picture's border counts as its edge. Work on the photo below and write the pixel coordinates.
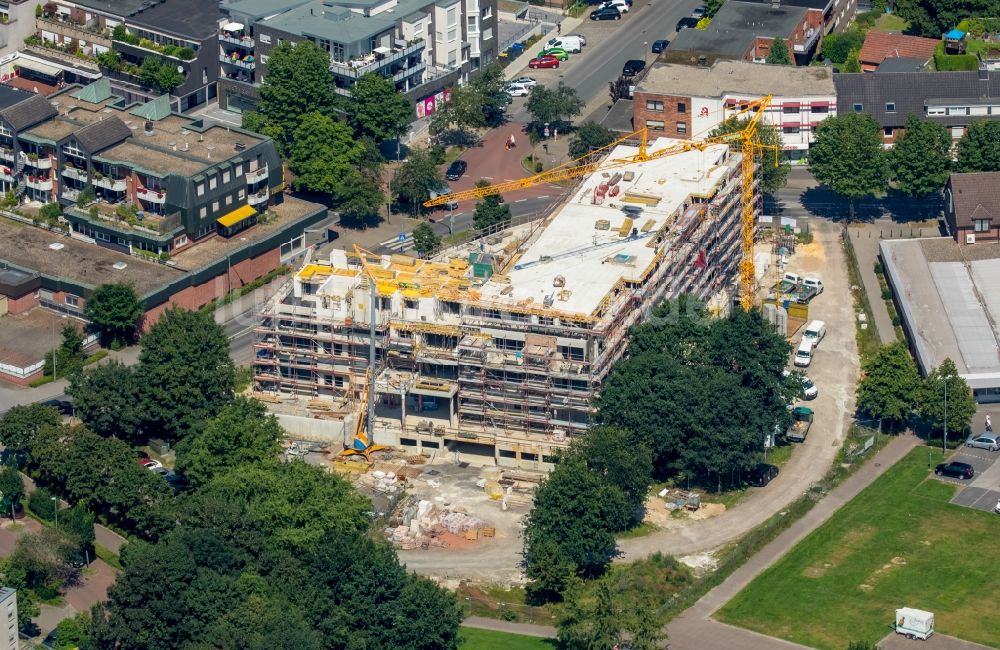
(203, 212)
(487, 11)
(72, 301)
(239, 170)
(264, 58)
(958, 110)
(472, 24)
(790, 110)
(981, 225)
(858, 108)
(264, 38)
(654, 125)
(453, 58)
(887, 131)
(653, 105)
(226, 176)
(215, 206)
(791, 130)
(452, 34)
(200, 189)
(242, 194)
(440, 37)
(229, 200)
(681, 107)
(487, 33)
(821, 110)
(452, 16)
(682, 128)
(337, 52)
(180, 241)
(890, 107)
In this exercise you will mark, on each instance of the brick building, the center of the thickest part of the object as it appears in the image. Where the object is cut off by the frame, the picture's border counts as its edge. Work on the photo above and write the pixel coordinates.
(880, 46)
(972, 207)
(689, 101)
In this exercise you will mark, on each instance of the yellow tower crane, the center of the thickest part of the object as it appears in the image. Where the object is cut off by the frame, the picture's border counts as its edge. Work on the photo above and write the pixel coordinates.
(749, 142)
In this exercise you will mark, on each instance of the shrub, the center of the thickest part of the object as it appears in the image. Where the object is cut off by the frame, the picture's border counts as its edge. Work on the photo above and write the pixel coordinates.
(185, 53)
(50, 211)
(538, 167)
(887, 294)
(41, 504)
(956, 62)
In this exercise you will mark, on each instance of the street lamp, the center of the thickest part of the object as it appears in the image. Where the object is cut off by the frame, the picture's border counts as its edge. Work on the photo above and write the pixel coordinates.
(944, 434)
(55, 509)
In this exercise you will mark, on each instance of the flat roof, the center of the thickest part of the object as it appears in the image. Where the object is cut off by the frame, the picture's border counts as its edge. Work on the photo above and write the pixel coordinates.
(949, 296)
(335, 20)
(77, 261)
(257, 9)
(10, 95)
(735, 25)
(589, 260)
(738, 77)
(194, 19)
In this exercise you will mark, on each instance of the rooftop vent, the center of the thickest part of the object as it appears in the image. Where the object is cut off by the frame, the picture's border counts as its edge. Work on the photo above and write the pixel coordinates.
(119, 266)
(239, 146)
(702, 61)
(147, 128)
(57, 246)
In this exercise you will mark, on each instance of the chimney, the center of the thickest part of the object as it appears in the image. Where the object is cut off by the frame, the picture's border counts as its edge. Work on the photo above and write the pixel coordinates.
(702, 61)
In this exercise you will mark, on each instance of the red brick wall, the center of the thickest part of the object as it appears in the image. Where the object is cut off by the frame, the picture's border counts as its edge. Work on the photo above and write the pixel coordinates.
(670, 115)
(20, 305)
(194, 297)
(59, 297)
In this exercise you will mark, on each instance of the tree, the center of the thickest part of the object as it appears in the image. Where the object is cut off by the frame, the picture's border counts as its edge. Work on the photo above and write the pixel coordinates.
(19, 425)
(425, 240)
(611, 453)
(589, 137)
(12, 489)
(853, 62)
(78, 524)
(491, 87)
(109, 400)
(68, 358)
(41, 503)
(921, 157)
(889, 383)
(848, 157)
(553, 106)
(185, 372)
(74, 633)
(362, 199)
(415, 179)
(773, 171)
(491, 212)
(592, 628)
(930, 400)
(168, 78)
(934, 17)
(298, 82)
(27, 609)
(116, 309)
(779, 53)
(552, 572)
(243, 432)
(464, 111)
(40, 562)
(377, 110)
(837, 47)
(324, 154)
(979, 148)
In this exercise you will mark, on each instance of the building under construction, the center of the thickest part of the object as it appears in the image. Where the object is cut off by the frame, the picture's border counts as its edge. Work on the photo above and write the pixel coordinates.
(500, 350)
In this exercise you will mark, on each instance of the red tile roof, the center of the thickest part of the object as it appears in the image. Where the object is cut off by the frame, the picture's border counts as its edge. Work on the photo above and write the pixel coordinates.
(880, 46)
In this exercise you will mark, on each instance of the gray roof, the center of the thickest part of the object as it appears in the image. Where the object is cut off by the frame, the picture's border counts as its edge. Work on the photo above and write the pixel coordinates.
(116, 7)
(901, 64)
(619, 118)
(10, 95)
(29, 112)
(808, 4)
(334, 21)
(911, 92)
(734, 27)
(737, 77)
(193, 19)
(103, 134)
(257, 9)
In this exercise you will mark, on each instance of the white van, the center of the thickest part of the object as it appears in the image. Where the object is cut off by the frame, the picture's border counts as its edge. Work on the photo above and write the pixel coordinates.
(815, 331)
(804, 353)
(812, 282)
(571, 44)
(791, 277)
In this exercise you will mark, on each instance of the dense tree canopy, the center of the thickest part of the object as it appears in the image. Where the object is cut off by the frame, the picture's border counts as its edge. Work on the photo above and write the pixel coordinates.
(979, 148)
(588, 137)
(185, 372)
(921, 157)
(930, 399)
(491, 211)
(324, 155)
(932, 18)
(553, 105)
(19, 425)
(779, 53)
(425, 240)
(889, 383)
(848, 157)
(377, 110)
(416, 178)
(109, 400)
(116, 309)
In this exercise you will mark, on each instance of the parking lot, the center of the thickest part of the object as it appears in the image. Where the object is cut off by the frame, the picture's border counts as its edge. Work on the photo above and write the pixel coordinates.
(983, 491)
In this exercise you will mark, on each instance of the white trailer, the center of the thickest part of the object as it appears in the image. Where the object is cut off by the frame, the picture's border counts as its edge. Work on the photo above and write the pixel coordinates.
(914, 623)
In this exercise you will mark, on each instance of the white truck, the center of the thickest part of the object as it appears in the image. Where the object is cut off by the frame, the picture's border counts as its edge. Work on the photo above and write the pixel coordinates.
(914, 623)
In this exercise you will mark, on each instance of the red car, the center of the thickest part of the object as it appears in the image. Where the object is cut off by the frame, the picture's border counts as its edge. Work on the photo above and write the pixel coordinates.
(544, 62)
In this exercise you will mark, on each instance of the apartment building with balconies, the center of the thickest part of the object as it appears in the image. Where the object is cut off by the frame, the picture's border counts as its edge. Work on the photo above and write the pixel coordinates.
(424, 48)
(17, 22)
(180, 36)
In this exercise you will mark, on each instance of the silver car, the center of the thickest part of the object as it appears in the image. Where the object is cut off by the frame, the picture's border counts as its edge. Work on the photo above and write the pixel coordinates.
(988, 441)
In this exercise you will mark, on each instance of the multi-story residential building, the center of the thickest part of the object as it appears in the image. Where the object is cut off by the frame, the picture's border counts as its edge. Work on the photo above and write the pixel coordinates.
(8, 609)
(162, 180)
(180, 35)
(500, 350)
(690, 101)
(952, 99)
(424, 47)
(17, 22)
(744, 30)
(837, 14)
(972, 207)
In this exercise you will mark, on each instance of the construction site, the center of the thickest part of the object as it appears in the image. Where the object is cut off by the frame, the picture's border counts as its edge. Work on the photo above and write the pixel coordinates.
(492, 353)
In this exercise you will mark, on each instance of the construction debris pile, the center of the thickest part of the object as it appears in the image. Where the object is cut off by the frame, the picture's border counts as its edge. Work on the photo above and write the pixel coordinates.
(419, 524)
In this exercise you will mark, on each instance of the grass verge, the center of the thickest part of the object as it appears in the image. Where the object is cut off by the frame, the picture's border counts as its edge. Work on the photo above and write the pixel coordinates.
(867, 338)
(108, 556)
(900, 542)
(476, 639)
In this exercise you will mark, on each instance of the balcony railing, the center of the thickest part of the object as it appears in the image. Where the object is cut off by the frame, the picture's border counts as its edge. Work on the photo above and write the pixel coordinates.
(73, 172)
(246, 65)
(371, 63)
(42, 162)
(409, 72)
(808, 41)
(151, 195)
(258, 198)
(113, 184)
(70, 194)
(244, 41)
(79, 32)
(39, 183)
(5, 174)
(6, 154)
(257, 175)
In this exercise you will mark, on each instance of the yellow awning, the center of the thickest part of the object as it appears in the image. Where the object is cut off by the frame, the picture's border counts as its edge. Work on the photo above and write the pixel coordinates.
(236, 216)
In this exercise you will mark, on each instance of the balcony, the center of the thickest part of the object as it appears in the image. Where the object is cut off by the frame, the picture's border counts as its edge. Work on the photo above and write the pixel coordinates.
(242, 41)
(69, 194)
(73, 172)
(239, 63)
(409, 72)
(39, 183)
(73, 30)
(151, 196)
(258, 199)
(808, 41)
(113, 184)
(6, 154)
(257, 175)
(372, 63)
(6, 174)
(41, 162)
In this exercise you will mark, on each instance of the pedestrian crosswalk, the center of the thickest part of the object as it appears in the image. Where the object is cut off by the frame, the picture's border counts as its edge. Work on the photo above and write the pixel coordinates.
(398, 246)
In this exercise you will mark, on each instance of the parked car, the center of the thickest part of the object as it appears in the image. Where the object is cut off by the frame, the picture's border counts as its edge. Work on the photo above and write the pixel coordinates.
(518, 90)
(606, 13)
(544, 62)
(804, 353)
(802, 419)
(955, 470)
(557, 52)
(762, 474)
(65, 407)
(140, 454)
(150, 464)
(456, 170)
(633, 67)
(813, 282)
(660, 45)
(808, 387)
(583, 39)
(621, 5)
(699, 12)
(815, 331)
(988, 441)
(568, 43)
(685, 23)
(525, 81)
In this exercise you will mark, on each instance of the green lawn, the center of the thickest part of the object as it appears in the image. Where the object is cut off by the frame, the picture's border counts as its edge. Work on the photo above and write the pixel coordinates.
(891, 23)
(898, 543)
(475, 639)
